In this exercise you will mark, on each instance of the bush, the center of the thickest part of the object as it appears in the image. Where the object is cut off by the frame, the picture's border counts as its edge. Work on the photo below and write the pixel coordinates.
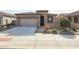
(74, 29)
(46, 27)
(54, 31)
(65, 23)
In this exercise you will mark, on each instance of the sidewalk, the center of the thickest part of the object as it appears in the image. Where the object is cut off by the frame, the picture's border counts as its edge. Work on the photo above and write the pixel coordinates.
(42, 41)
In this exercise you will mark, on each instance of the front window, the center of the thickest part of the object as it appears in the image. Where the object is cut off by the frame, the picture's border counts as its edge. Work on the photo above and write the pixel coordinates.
(50, 19)
(75, 19)
(69, 18)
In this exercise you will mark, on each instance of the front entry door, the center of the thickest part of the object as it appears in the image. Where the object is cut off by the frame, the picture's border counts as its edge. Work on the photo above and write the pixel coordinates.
(42, 21)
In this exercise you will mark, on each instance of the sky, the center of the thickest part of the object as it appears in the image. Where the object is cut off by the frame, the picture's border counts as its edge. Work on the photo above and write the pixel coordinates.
(50, 11)
(54, 6)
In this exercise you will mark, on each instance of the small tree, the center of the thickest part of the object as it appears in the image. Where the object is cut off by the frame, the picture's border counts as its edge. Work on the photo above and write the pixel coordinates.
(65, 23)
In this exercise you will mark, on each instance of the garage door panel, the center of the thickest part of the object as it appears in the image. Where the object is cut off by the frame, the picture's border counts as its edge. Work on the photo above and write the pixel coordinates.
(28, 22)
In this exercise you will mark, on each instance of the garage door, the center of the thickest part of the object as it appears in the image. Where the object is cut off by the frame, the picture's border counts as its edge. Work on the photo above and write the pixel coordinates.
(28, 22)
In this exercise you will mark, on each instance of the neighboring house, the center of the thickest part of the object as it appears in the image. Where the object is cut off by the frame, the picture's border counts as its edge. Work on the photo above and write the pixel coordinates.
(74, 18)
(38, 18)
(62, 15)
(6, 18)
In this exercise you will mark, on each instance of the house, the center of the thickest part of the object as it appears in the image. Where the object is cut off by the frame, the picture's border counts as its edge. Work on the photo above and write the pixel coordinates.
(74, 18)
(6, 18)
(39, 18)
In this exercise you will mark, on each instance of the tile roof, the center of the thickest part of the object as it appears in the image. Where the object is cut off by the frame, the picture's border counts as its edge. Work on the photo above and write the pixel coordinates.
(6, 14)
(52, 14)
(63, 14)
(25, 13)
(76, 13)
(42, 11)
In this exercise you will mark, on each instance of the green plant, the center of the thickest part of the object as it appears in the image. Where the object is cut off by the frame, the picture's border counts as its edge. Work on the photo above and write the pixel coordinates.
(65, 23)
(74, 29)
(49, 30)
(54, 31)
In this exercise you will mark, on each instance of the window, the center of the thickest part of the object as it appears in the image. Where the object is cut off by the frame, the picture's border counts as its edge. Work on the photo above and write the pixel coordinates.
(69, 18)
(50, 19)
(75, 19)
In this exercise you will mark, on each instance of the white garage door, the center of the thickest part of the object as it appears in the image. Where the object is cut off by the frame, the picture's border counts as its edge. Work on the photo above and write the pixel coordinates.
(28, 22)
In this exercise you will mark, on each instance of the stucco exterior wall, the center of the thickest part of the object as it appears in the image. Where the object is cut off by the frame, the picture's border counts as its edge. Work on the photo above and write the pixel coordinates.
(74, 25)
(54, 24)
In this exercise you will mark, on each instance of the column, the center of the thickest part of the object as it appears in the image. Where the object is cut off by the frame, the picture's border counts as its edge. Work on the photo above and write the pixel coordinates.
(78, 19)
(72, 19)
(39, 21)
(45, 19)
(17, 21)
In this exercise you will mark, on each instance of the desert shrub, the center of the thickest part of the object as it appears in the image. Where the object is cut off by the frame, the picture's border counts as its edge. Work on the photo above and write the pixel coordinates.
(54, 31)
(46, 27)
(74, 29)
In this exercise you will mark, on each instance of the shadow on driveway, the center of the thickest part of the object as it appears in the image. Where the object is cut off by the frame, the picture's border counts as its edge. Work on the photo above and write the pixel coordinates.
(68, 34)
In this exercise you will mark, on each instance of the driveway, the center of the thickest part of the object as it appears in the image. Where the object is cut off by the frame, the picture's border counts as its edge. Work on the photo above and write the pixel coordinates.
(18, 37)
(19, 31)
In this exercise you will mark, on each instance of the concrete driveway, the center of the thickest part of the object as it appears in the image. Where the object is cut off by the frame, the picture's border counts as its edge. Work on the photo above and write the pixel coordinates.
(19, 31)
(18, 37)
